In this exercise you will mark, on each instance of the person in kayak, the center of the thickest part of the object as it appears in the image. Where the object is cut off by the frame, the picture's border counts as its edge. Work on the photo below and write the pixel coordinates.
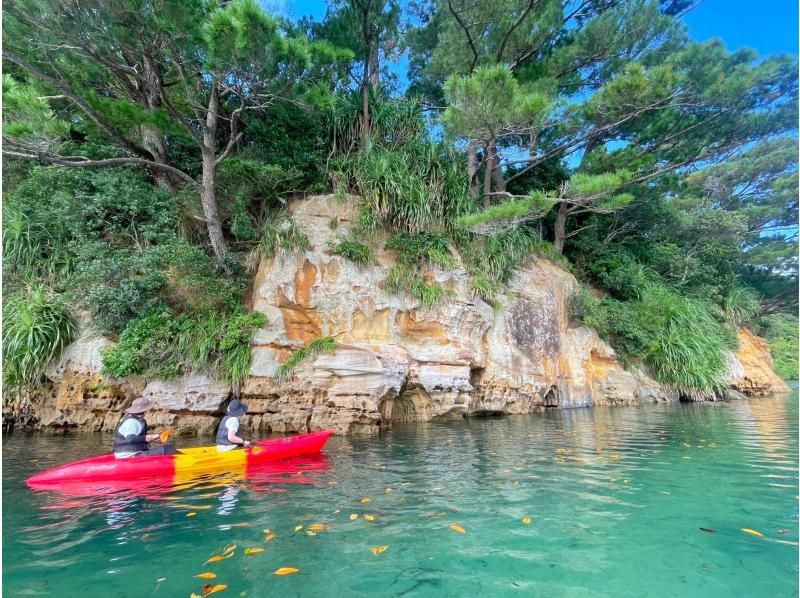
(131, 438)
(228, 432)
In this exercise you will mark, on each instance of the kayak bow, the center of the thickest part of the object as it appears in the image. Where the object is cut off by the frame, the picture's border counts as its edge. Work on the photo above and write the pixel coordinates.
(186, 465)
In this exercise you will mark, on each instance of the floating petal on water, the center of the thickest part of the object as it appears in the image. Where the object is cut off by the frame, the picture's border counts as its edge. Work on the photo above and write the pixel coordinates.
(457, 528)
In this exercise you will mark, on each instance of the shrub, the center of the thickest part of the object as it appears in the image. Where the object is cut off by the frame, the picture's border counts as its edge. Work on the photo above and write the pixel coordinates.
(319, 346)
(678, 337)
(36, 329)
(781, 331)
(161, 345)
(422, 248)
(484, 287)
(279, 234)
(740, 305)
(357, 253)
(419, 187)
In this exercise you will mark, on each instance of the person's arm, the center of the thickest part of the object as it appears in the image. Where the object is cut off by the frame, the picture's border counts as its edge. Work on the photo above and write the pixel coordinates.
(150, 437)
(232, 437)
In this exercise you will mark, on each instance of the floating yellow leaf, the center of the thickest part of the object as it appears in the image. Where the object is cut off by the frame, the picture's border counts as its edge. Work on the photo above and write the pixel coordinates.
(266, 531)
(215, 559)
(310, 533)
(191, 514)
(319, 526)
(369, 517)
(206, 575)
(366, 500)
(193, 595)
(286, 571)
(337, 511)
(376, 550)
(298, 528)
(354, 516)
(269, 537)
(249, 551)
(389, 490)
(527, 520)
(457, 528)
(217, 588)
(752, 532)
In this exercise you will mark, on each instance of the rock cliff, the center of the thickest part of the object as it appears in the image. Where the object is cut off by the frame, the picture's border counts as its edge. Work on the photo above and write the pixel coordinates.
(395, 360)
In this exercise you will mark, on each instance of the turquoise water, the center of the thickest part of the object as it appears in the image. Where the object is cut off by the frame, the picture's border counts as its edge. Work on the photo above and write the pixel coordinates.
(617, 498)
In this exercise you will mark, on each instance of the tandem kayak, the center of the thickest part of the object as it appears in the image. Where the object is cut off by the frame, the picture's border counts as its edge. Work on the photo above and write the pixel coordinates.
(182, 467)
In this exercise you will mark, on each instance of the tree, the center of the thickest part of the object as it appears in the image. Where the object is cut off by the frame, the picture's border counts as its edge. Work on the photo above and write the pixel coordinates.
(142, 72)
(484, 107)
(628, 91)
(368, 28)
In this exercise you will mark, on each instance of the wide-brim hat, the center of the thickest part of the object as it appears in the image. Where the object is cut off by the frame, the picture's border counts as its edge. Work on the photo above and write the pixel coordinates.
(236, 408)
(140, 405)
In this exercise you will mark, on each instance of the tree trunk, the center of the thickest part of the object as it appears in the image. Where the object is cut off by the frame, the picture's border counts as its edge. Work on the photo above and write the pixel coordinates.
(365, 77)
(472, 169)
(560, 234)
(374, 67)
(497, 173)
(365, 110)
(487, 174)
(208, 192)
(208, 198)
(152, 139)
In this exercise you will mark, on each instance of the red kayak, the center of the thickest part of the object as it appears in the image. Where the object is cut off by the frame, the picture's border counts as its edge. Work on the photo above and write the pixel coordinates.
(182, 467)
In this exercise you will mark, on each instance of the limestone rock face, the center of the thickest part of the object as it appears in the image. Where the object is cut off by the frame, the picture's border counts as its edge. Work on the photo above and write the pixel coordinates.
(77, 396)
(398, 362)
(750, 367)
(395, 360)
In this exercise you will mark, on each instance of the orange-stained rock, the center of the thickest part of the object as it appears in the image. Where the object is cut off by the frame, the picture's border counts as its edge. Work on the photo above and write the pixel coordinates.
(412, 329)
(755, 377)
(304, 280)
(370, 329)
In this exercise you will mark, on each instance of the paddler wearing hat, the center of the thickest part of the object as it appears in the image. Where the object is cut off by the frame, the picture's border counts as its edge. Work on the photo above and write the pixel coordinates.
(228, 432)
(131, 438)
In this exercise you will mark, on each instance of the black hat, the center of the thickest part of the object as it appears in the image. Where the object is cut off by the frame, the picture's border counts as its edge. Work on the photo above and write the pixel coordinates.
(236, 408)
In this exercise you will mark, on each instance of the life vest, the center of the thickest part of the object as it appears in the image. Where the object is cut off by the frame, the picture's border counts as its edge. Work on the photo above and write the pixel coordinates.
(133, 443)
(222, 432)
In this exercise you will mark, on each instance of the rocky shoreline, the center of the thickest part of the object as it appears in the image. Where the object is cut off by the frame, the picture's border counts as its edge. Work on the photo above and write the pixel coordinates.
(395, 361)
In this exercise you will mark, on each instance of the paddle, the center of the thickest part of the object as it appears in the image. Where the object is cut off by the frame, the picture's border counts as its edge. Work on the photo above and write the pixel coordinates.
(164, 436)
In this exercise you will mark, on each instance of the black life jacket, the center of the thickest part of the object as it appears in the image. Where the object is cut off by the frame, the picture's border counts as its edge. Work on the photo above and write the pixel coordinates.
(132, 443)
(222, 432)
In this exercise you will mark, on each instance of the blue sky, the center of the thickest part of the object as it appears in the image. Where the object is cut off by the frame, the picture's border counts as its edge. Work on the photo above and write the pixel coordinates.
(768, 26)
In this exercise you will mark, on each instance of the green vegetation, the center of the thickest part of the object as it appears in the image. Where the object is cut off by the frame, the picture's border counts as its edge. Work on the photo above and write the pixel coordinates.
(320, 346)
(150, 156)
(357, 253)
(36, 329)
(163, 346)
(279, 234)
(677, 337)
(781, 330)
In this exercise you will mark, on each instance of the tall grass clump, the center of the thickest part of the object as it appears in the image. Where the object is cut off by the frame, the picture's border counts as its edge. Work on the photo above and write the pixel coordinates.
(161, 345)
(320, 346)
(677, 337)
(358, 253)
(417, 188)
(36, 329)
(278, 234)
(740, 305)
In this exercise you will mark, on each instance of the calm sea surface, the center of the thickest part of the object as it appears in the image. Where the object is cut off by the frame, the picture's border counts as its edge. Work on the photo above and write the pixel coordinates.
(616, 499)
